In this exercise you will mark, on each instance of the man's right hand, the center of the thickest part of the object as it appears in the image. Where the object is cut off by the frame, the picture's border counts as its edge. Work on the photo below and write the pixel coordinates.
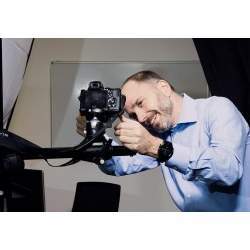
(81, 125)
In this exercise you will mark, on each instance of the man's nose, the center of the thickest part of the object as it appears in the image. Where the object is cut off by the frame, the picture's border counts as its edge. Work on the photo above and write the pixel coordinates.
(140, 116)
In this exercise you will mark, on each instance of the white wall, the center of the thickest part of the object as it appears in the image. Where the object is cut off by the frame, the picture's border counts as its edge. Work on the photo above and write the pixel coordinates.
(140, 192)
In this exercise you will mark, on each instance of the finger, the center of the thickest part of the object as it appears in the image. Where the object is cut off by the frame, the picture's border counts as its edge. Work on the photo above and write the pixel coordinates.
(130, 146)
(81, 122)
(123, 118)
(81, 118)
(126, 132)
(125, 125)
(80, 127)
(126, 118)
(128, 139)
(117, 132)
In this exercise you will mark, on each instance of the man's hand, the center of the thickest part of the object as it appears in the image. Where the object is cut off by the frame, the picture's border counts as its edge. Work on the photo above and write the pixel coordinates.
(81, 125)
(135, 137)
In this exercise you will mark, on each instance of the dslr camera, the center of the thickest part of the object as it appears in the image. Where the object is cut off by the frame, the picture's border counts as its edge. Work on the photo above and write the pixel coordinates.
(101, 106)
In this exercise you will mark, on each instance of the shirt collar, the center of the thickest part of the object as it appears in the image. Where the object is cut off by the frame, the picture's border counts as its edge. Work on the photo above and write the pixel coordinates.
(188, 113)
(188, 116)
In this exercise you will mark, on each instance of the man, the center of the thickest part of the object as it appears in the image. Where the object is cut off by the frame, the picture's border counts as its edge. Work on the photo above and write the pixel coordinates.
(207, 136)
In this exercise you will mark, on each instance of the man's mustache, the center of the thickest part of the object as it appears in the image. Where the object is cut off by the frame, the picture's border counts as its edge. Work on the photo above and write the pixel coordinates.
(149, 118)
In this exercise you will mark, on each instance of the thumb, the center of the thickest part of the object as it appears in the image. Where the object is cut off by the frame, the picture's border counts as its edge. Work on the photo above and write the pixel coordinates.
(123, 118)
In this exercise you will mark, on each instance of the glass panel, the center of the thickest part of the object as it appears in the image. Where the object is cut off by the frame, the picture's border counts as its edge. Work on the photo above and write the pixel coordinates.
(68, 78)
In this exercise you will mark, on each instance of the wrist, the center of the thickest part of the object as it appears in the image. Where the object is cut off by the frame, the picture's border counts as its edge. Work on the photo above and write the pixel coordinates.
(154, 147)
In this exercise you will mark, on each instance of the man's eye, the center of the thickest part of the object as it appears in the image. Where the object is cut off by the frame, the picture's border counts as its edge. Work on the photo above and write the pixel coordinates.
(139, 104)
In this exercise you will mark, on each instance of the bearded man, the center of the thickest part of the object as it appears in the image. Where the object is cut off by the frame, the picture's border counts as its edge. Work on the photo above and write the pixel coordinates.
(204, 138)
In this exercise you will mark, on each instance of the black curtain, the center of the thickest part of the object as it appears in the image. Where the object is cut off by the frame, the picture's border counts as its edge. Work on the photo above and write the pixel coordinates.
(1, 85)
(226, 65)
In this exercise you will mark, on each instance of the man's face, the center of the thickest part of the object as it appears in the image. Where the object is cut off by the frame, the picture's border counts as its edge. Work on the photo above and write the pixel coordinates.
(148, 104)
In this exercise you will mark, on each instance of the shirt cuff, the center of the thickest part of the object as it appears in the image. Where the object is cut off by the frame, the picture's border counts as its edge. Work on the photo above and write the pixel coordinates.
(108, 167)
(180, 158)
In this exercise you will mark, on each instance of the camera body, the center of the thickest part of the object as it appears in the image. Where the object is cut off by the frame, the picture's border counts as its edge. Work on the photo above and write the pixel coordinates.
(101, 106)
(100, 102)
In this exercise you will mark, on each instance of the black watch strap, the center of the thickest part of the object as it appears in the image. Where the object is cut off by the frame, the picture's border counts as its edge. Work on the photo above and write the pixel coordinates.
(165, 151)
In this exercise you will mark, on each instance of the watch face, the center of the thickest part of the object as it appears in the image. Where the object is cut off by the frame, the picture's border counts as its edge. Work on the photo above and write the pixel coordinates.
(165, 151)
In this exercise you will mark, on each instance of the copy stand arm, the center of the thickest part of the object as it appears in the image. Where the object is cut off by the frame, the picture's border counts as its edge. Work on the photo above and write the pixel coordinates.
(15, 149)
(90, 154)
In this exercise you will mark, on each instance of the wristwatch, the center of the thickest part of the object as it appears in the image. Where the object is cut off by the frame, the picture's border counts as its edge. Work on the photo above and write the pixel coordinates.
(165, 151)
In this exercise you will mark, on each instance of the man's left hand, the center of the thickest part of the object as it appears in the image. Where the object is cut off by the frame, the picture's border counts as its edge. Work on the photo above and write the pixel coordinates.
(135, 137)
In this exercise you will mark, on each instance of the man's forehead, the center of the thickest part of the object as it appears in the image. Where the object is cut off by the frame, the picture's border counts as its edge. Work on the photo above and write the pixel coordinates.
(131, 91)
(128, 85)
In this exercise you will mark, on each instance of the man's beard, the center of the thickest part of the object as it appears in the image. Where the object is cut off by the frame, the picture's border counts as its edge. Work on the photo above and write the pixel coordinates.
(166, 110)
(166, 107)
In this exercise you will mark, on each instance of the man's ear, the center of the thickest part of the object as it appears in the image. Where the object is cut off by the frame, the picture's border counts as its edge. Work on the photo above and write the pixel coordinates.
(164, 87)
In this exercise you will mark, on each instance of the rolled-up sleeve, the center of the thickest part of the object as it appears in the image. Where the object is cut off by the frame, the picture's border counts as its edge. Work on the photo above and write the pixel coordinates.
(222, 160)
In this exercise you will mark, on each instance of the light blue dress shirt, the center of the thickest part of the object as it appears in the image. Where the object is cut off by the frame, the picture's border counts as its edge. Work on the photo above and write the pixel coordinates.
(209, 148)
